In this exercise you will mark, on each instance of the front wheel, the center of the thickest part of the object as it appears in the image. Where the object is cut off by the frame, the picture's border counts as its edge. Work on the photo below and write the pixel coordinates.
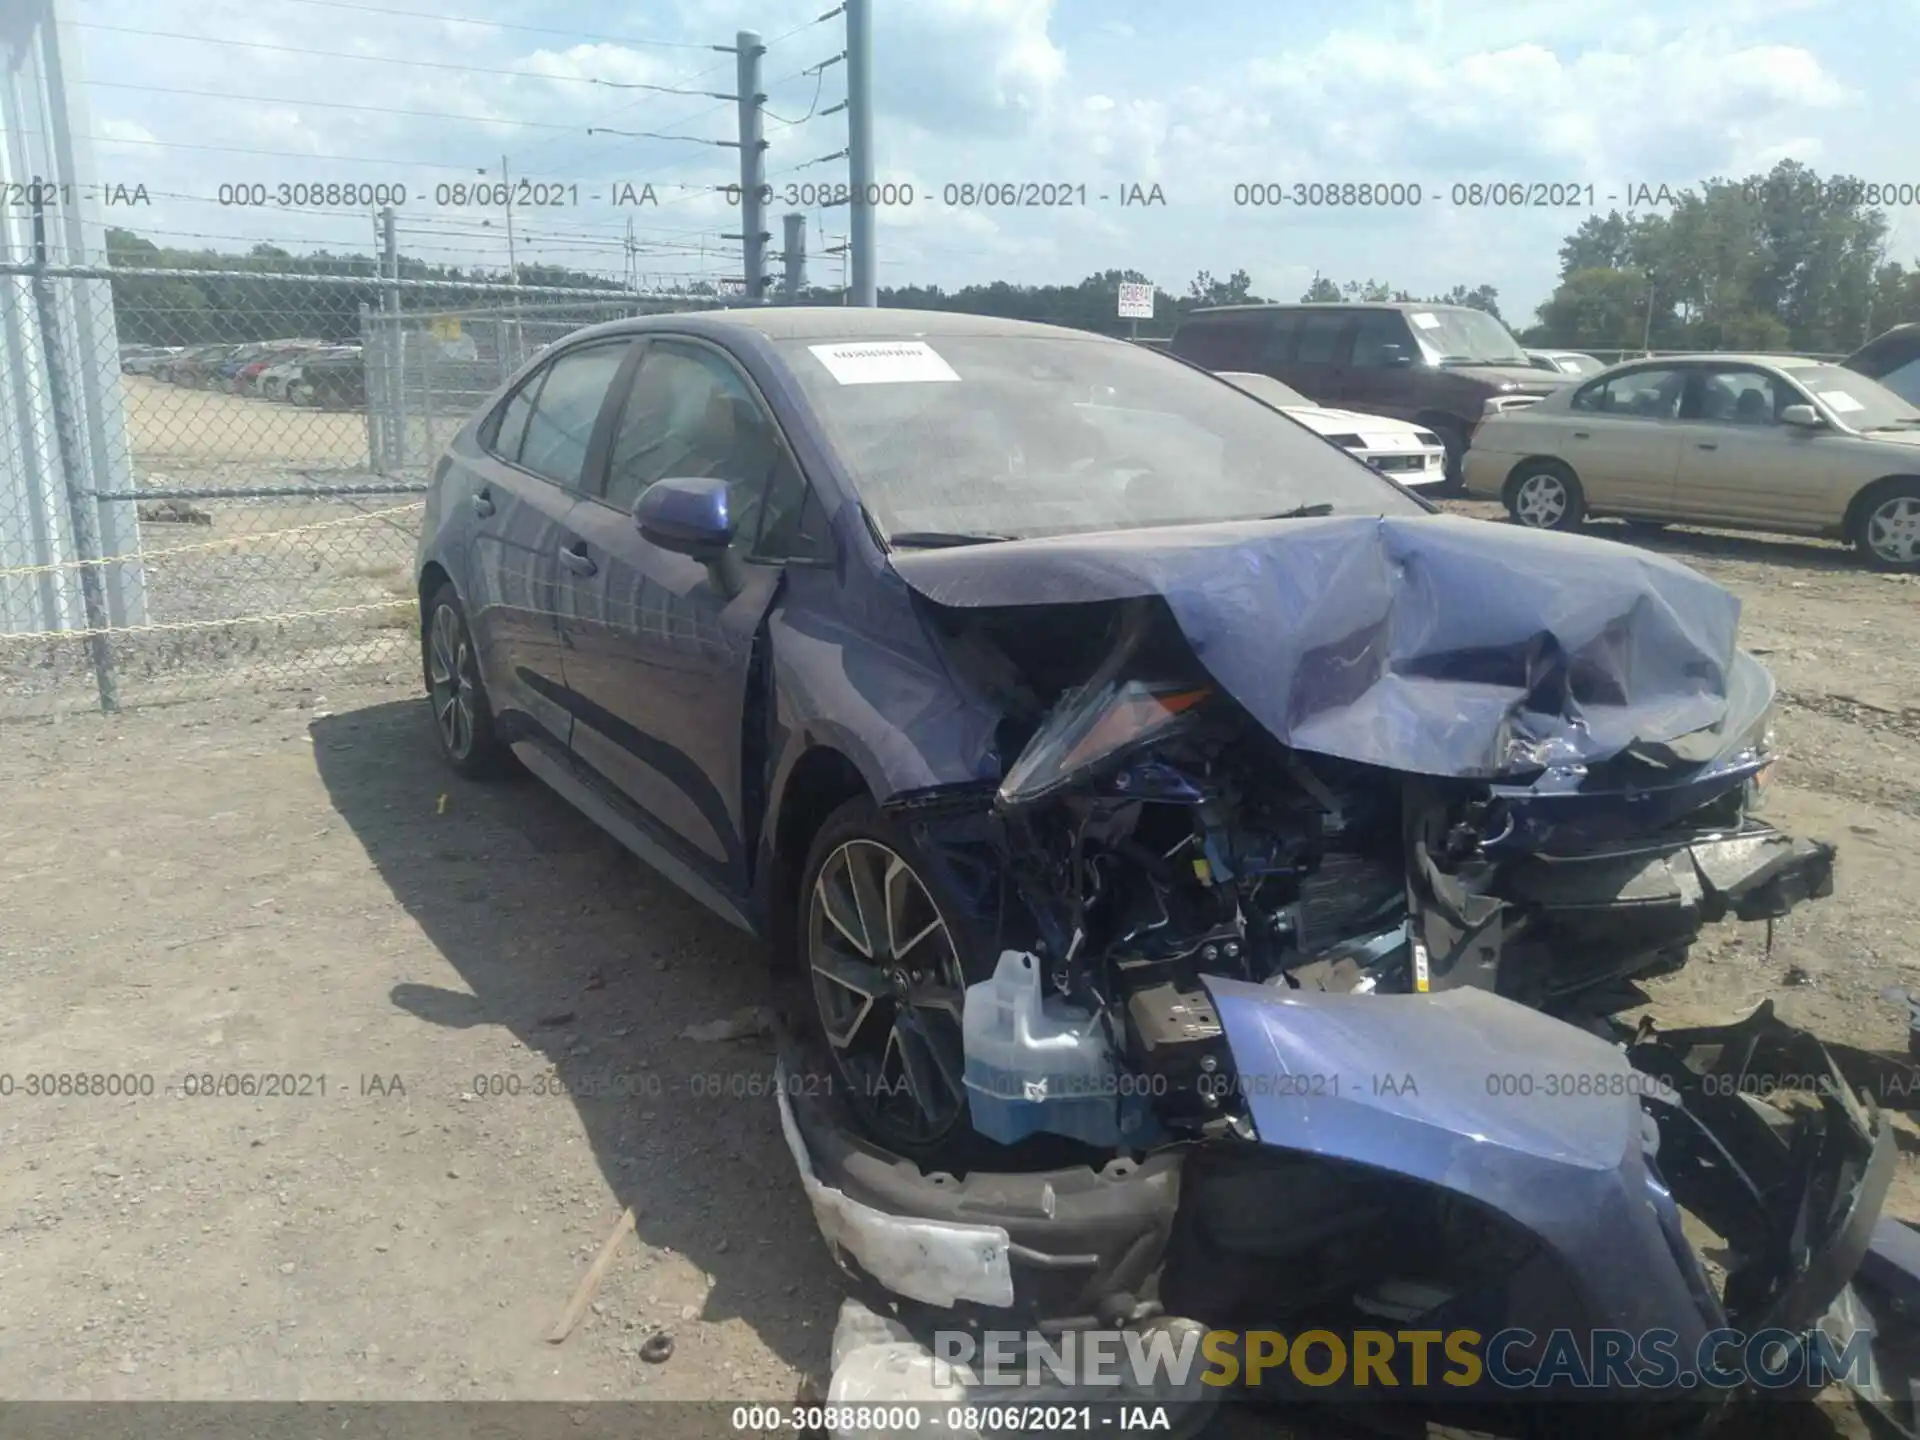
(462, 715)
(883, 948)
(1544, 495)
(1886, 530)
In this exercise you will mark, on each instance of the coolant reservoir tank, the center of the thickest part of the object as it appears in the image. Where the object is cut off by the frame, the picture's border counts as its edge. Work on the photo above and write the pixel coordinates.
(1036, 1063)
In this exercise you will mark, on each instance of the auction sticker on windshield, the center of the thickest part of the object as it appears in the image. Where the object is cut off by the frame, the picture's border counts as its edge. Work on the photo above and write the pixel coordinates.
(1841, 401)
(1425, 321)
(890, 362)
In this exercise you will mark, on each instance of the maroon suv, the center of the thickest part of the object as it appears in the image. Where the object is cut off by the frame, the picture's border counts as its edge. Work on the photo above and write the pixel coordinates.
(1436, 365)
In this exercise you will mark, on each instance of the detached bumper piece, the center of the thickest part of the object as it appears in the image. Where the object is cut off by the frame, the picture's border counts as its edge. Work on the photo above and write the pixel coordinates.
(1799, 1203)
(1578, 921)
(1756, 873)
(1761, 874)
(1050, 1249)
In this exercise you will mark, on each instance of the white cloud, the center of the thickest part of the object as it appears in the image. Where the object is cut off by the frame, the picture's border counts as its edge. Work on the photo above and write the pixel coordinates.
(1122, 92)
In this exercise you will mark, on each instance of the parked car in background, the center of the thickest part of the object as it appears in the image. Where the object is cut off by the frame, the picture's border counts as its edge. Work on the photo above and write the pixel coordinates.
(271, 384)
(191, 366)
(1893, 359)
(234, 361)
(1567, 362)
(1757, 442)
(246, 380)
(144, 359)
(332, 378)
(1411, 455)
(1438, 366)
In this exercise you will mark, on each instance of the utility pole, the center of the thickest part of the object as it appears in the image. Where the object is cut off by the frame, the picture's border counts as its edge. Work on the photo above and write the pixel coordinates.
(394, 346)
(794, 258)
(1646, 335)
(506, 186)
(753, 164)
(513, 266)
(860, 147)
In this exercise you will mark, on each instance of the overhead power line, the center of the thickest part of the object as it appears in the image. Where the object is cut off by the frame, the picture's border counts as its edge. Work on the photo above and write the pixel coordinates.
(330, 105)
(498, 24)
(401, 60)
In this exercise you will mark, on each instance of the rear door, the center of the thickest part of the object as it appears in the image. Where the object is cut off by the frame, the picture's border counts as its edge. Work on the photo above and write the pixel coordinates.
(527, 483)
(1317, 358)
(660, 647)
(1622, 436)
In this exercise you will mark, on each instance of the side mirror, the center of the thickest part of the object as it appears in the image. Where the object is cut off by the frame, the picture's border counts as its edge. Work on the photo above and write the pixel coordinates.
(1804, 416)
(1395, 357)
(687, 515)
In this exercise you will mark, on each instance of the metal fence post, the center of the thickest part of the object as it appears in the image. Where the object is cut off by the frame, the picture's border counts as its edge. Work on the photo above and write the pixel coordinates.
(428, 344)
(80, 512)
(366, 385)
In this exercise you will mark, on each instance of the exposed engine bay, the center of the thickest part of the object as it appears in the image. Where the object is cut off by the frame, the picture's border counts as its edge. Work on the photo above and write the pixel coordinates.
(1154, 832)
(1319, 866)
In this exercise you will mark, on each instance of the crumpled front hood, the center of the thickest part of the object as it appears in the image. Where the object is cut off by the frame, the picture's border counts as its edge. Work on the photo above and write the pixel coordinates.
(1433, 644)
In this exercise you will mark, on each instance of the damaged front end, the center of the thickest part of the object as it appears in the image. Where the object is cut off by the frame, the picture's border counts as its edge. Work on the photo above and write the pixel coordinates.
(1152, 831)
(1320, 864)
(1426, 1164)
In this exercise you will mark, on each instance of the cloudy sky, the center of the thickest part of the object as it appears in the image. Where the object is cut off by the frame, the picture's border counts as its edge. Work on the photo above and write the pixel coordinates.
(188, 95)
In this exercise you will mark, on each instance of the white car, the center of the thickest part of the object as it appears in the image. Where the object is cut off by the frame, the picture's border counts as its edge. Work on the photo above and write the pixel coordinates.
(1567, 362)
(1411, 455)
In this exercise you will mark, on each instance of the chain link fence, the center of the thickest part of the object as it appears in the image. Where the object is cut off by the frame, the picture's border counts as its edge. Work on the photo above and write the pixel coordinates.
(210, 481)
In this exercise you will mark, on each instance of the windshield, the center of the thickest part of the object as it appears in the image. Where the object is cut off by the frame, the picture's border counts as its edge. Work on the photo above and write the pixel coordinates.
(1466, 337)
(1265, 387)
(1013, 436)
(1855, 401)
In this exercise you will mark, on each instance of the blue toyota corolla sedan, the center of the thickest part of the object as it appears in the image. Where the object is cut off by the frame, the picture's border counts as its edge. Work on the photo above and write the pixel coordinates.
(1012, 679)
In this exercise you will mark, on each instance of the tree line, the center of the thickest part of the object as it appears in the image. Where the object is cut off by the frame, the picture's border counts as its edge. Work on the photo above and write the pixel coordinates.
(1785, 260)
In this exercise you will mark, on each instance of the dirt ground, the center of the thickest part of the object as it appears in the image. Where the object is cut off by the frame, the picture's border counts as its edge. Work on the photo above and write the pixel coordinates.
(171, 426)
(288, 884)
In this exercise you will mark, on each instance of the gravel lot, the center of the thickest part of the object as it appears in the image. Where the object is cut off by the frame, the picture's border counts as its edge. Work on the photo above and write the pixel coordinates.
(288, 883)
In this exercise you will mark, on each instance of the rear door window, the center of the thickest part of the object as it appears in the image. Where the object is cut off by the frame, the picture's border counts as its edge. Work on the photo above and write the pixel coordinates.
(560, 428)
(1638, 394)
(509, 426)
(1277, 340)
(1319, 341)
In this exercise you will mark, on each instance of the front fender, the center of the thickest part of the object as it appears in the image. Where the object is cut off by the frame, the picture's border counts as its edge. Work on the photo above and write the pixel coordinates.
(1501, 1105)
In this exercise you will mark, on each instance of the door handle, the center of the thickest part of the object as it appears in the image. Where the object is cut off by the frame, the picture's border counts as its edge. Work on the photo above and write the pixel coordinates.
(1581, 435)
(1708, 444)
(576, 559)
(482, 503)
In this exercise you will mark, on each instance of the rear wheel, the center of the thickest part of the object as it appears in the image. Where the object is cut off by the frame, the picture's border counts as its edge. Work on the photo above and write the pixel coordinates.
(1886, 527)
(1544, 495)
(462, 715)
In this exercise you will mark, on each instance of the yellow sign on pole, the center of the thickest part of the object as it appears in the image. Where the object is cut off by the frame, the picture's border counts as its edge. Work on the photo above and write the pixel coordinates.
(446, 327)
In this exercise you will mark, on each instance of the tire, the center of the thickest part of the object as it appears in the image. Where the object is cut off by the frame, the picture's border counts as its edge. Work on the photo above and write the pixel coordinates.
(462, 714)
(1545, 495)
(887, 1005)
(1886, 526)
